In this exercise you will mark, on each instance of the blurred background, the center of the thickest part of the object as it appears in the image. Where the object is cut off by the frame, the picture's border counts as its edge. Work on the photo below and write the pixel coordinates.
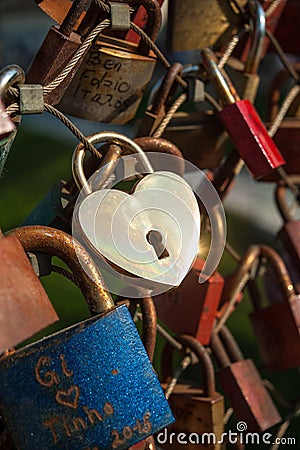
(41, 156)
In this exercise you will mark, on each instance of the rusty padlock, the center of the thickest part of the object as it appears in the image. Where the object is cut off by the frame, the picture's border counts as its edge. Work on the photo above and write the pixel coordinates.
(55, 52)
(243, 386)
(196, 24)
(246, 79)
(290, 232)
(25, 306)
(196, 410)
(155, 113)
(243, 123)
(276, 326)
(191, 307)
(110, 82)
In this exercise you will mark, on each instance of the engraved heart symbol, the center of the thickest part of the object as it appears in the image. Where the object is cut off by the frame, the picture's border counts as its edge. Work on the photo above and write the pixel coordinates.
(69, 398)
(118, 225)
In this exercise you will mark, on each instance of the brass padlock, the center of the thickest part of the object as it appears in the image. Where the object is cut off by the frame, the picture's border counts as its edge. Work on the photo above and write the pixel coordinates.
(196, 24)
(110, 82)
(197, 411)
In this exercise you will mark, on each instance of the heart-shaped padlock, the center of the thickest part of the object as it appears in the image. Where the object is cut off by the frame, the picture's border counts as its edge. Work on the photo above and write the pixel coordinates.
(152, 233)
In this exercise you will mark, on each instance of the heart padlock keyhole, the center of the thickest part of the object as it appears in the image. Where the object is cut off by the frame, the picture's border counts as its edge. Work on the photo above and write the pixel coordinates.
(155, 239)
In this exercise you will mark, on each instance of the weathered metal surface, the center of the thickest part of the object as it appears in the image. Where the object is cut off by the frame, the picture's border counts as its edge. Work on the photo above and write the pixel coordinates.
(25, 307)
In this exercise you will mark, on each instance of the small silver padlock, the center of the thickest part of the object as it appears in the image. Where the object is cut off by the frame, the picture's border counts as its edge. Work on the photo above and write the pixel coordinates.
(110, 82)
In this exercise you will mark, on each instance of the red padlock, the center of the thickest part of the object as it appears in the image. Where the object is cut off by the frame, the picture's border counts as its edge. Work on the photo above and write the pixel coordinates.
(243, 123)
(277, 326)
(191, 308)
(243, 385)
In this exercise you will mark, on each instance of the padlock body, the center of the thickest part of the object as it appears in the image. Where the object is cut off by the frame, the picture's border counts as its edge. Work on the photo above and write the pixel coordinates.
(197, 24)
(110, 82)
(287, 139)
(197, 134)
(51, 59)
(248, 396)
(191, 308)
(89, 386)
(25, 307)
(194, 413)
(277, 328)
(251, 138)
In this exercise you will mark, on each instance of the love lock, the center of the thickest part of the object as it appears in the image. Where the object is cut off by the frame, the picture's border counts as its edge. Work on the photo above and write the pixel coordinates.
(142, 233)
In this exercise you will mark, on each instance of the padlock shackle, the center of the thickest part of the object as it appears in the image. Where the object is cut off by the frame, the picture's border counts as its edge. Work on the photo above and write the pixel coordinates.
(225, 89)
(73, 15)
(280, 198)
(153, 23)
(9, 76)
(207, 370)
(58, 243)
(258, 25)
(241, 275)
(219, 351)
(149, 322)
(166, 88)
(230, 344)
(160, 145)
(104, 136)
(278, 266)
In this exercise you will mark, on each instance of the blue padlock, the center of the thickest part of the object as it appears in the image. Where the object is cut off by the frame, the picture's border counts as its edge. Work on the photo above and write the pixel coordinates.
(88, 387)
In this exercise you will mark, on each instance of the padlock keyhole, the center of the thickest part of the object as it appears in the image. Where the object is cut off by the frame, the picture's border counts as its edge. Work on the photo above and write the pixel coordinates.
(155, 239)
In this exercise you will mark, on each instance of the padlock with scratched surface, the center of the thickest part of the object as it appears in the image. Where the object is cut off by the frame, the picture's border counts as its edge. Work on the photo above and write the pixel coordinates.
(79, 391)
(148, 246)
(242, 385)
(9, 76)
(276, 325)
(196, 24)
(109, 85)
(245, 78)
(196, 410)
(56, 51)
(191, 307)
(25, 307)
(243, 123)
